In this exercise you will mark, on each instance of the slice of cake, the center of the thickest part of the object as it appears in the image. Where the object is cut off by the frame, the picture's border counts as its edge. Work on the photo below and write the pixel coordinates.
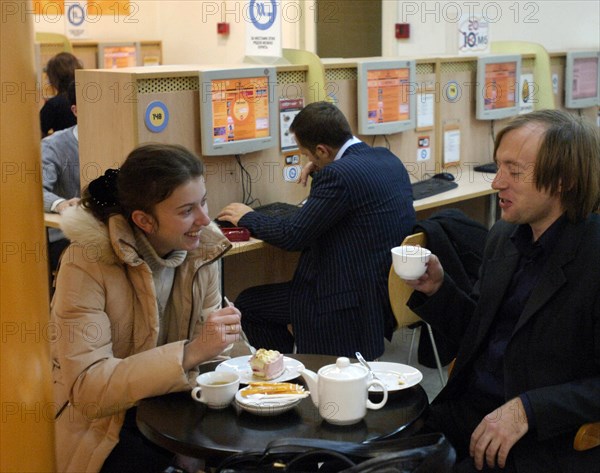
(267, 364)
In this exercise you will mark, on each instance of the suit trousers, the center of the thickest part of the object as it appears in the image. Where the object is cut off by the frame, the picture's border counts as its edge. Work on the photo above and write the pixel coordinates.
(266, 316)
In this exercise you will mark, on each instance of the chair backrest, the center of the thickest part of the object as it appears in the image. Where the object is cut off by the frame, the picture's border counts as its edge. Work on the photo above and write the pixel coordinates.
(316, 73)
(57, 38)
(399, 291)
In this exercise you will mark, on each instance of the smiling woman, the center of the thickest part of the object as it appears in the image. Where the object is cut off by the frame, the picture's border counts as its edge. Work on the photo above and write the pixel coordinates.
(151, 291)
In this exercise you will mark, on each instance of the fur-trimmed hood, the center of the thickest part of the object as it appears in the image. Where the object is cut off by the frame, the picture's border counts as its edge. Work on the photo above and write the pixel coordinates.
(115, 243)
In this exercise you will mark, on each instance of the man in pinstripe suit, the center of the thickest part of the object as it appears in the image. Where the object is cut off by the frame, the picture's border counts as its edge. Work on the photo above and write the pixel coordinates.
(359, 207)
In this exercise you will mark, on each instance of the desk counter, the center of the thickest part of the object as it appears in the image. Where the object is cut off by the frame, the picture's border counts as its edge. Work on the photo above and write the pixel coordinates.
(470, 186)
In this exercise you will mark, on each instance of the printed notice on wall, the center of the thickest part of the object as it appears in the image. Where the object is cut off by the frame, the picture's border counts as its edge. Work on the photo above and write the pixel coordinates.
(263, 31)
(75, 19)
(288, 109)
(451, 144)
(425, 111)
(473, 35)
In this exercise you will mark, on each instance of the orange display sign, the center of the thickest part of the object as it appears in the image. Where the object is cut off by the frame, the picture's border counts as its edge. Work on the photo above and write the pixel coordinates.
(119, 56)
(388, 95)
(94, 7)
(500, 85)
(240, 109)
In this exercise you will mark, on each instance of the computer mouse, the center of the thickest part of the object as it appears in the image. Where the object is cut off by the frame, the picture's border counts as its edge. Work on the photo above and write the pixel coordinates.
(446, 176)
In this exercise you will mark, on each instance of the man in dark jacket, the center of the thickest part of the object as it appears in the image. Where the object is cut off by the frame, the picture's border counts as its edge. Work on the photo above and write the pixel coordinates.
(527, 373)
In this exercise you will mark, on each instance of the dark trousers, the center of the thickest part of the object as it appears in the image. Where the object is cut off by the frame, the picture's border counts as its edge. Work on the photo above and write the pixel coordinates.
(457, 420)
(266, 315)
(134, 453)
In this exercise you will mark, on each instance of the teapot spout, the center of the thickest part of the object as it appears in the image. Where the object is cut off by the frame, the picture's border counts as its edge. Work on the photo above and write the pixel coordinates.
(311, 380)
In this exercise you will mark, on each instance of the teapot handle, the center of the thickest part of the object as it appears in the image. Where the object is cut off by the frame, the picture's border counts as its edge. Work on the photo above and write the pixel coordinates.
(379, 405)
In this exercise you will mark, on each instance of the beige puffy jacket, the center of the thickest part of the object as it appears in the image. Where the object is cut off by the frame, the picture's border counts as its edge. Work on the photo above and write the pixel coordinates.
(105, 317)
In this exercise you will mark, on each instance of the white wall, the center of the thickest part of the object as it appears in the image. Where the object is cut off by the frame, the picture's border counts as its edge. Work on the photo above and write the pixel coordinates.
(556, 25)
(188, 28)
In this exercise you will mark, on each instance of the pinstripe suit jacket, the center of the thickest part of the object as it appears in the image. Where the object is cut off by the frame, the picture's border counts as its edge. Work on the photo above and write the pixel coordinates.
(359, 207)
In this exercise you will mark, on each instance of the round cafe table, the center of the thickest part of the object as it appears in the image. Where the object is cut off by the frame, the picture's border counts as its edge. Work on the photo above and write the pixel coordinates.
(182, 425)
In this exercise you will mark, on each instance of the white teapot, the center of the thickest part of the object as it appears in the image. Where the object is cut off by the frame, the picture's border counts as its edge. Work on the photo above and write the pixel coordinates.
(341, 391)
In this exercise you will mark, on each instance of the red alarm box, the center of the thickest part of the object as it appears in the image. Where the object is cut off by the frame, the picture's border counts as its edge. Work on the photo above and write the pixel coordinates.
(223, 28)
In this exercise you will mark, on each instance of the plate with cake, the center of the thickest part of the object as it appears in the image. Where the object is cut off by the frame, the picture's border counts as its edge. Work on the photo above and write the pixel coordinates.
(264, 365)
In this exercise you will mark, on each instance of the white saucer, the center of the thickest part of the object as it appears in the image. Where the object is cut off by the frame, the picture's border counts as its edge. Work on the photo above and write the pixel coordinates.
(265, 406)
(395, 376)
(241, 366)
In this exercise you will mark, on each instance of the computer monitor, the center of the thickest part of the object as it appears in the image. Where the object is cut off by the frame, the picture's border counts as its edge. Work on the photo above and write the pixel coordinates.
(582, 79)
(238, 110)
(117, 55)
(386, 96)
(497, 87)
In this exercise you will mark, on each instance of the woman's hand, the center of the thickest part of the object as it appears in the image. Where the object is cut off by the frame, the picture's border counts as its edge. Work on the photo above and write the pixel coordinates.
(222, 328)
(431, 281)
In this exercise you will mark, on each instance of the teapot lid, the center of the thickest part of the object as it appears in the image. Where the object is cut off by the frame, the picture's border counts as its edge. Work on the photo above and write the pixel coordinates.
(343, 370)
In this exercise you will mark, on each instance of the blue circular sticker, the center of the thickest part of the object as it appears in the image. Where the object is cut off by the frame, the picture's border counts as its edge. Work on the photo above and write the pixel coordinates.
(263, 14)
(75, 14)
(452, 91)
(157, 116)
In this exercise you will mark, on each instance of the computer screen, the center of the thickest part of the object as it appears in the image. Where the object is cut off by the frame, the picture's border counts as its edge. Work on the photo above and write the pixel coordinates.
(582, 79)
(386, 96)
(117, 55)
(497, 87)
(238, 110)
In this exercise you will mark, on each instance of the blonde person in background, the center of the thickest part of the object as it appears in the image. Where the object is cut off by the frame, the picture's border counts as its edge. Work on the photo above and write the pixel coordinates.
(137, 306)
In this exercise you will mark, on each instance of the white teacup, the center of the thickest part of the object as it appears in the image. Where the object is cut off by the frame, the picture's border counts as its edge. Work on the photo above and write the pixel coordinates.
(410, 262)
(216, 389)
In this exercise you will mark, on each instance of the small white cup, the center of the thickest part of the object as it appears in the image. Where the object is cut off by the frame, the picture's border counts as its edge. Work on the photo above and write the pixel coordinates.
(216, 389)
(410, 262)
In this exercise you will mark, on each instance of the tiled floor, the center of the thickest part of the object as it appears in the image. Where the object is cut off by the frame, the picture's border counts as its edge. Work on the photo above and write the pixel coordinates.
(397, 352)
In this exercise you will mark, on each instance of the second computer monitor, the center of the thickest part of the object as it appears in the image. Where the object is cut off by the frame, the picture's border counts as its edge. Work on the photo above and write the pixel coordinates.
(117, 55)
(497, 87)
(386, 99)
(582, 79)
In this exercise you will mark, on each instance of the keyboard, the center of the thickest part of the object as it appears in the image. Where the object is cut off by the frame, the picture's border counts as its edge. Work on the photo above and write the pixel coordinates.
(278, 209)
(430, 187)
(487, 167)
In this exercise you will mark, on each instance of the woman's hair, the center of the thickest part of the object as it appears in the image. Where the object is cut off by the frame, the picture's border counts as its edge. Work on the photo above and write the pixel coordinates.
(148, 176)
(568, 161)
(61, 71)
(321, 123)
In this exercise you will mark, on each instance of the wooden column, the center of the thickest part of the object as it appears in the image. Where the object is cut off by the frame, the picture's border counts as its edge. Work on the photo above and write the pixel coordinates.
(26, 427)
